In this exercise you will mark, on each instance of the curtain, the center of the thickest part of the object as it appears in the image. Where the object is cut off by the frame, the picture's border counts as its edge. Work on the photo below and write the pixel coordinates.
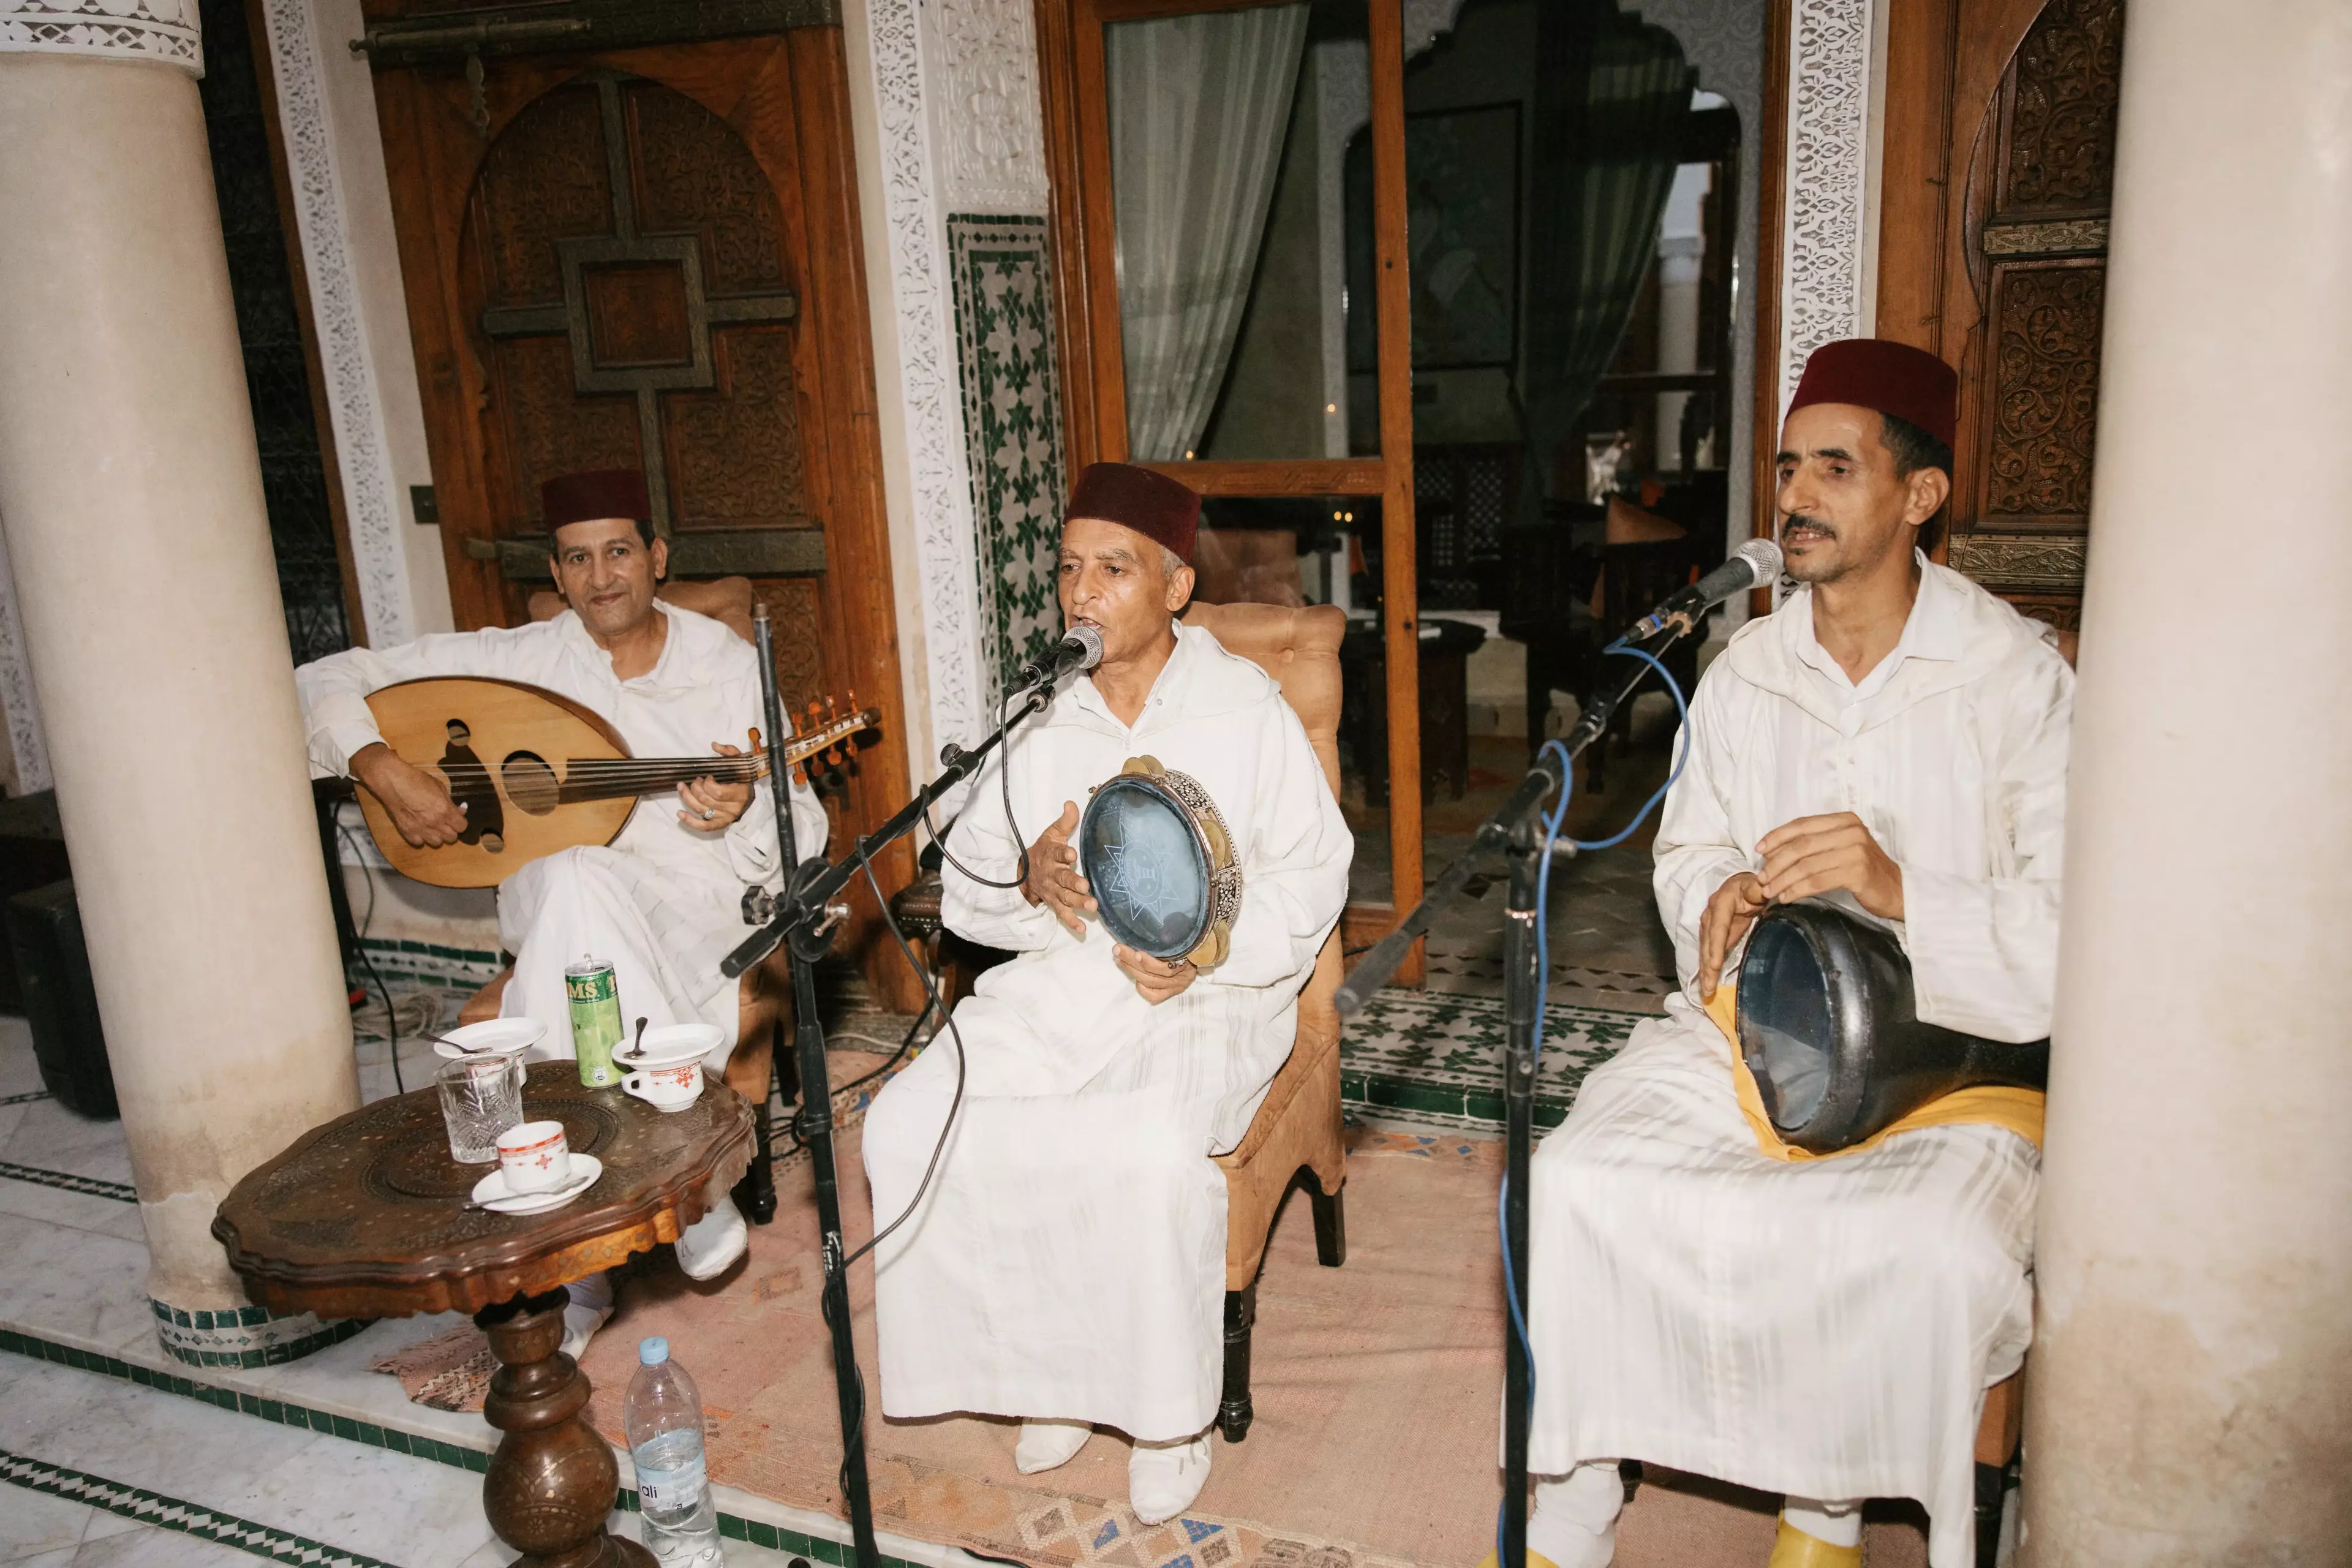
(1199, 109)
(1610, 96)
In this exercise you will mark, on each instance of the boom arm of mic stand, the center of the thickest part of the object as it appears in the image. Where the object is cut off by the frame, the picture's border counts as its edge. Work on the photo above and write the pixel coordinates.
(802, 903)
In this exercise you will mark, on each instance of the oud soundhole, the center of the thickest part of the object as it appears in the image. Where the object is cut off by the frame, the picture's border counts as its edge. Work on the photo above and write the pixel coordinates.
(530, 783)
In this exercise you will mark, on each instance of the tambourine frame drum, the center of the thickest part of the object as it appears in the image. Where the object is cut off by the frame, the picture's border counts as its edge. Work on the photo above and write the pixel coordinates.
(1828, 1027)
(1160, 863)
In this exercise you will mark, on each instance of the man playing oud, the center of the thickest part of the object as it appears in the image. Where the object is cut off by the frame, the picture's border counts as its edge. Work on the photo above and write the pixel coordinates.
(1893, 737)
(1067, 1264)
(662, 901)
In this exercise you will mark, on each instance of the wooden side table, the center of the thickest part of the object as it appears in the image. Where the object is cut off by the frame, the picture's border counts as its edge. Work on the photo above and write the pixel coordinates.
(365, 1217)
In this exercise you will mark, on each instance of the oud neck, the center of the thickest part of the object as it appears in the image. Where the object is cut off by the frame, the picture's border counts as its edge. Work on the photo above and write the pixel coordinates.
(609, 778)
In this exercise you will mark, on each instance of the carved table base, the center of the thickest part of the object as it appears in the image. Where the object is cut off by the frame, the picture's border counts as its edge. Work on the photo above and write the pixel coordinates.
(551, 1484)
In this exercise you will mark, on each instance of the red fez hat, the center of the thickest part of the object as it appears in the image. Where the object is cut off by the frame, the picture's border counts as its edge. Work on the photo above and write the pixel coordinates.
(1153, 504)
(598, 493)
(1890, 378)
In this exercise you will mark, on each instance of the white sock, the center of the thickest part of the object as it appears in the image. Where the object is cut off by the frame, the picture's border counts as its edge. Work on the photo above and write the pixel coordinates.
(709, 1247)
(591, 1303)
(1048, 1445)
(1575, 1521)
(1837, 1521)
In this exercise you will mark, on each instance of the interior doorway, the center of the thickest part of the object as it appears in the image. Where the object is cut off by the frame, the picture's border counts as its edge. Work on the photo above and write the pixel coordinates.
(646, 257)
(1382, 312)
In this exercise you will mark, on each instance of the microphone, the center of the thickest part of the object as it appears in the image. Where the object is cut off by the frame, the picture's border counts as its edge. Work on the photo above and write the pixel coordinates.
(1081, 648)
(1754, 562)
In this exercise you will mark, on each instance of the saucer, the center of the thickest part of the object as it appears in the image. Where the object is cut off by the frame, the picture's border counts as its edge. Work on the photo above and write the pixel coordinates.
(668, 1045)
(490, 1037)
(491, 1193)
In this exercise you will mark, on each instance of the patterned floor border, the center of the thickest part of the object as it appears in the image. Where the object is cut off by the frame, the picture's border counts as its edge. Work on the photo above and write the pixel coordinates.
(285, 1413)
(25, 1099)
(121, 1192)
(1439, 1057)
(176, 1513)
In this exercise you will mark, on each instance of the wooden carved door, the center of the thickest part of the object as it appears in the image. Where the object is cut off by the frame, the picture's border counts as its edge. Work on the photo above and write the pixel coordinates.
(1993, 254)
(2034, 238)
(646, 257)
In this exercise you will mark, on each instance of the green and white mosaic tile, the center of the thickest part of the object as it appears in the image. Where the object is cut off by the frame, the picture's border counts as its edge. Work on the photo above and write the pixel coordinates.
(1425, 1055)
(176, 1513)
(246, 1337)
(1013, 422)
(121, 1192)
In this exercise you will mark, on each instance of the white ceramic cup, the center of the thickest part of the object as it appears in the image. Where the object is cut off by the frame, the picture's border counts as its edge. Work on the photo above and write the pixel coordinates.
(535, 1157)
(672, 1085)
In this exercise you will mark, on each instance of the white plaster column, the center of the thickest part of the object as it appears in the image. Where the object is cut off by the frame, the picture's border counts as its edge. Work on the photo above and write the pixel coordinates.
(2190, 1390)
(132, 495)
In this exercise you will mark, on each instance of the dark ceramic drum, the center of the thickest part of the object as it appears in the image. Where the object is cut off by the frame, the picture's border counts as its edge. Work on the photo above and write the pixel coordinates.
(1830, 1028)
(1155, 852)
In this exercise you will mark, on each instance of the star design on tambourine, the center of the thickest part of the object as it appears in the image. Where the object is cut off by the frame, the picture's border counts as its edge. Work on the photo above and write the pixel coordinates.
(1155, 850)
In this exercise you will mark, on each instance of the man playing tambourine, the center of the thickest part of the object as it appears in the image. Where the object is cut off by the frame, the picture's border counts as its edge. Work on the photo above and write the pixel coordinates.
(1067, 1264)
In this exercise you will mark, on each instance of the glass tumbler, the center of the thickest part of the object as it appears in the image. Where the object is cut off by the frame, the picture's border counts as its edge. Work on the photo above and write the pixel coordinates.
(481, 1097)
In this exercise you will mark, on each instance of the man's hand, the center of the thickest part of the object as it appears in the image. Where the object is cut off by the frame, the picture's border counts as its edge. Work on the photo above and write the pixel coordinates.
(1822, 854)
(712, 806)
(1729, 913)
(1156, 980)
(1054, 880)
(418, 801)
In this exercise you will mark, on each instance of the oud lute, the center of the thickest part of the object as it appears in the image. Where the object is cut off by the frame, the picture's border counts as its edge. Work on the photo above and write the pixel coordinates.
(536, 773)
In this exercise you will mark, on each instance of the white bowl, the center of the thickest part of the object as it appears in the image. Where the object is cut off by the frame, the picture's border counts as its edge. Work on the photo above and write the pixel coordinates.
(490, 1037)
(670, 1043)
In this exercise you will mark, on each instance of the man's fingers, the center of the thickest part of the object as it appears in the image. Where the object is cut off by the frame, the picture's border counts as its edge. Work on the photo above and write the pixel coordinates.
(1801, 825)
(1817, 872)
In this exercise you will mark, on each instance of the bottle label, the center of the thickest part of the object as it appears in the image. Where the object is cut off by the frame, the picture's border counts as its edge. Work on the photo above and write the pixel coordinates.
(666, 1491)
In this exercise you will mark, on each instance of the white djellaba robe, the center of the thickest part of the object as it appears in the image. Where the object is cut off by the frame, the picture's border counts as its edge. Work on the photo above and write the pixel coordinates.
(1823, 1329)
(1068, 1261)
(662, 902)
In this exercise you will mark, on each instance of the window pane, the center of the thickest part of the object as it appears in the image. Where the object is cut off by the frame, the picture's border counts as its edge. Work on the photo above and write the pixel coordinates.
(1228, 139)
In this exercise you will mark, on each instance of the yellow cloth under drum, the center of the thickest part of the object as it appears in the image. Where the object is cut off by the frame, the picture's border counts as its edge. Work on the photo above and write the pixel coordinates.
(1993, 1105)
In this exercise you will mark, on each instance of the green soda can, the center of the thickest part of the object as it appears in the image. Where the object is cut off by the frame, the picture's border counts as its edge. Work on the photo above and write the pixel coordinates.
(595, 1020)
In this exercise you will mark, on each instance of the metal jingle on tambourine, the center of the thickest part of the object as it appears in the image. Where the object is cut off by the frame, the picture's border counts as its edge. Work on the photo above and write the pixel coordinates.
(1160, 862)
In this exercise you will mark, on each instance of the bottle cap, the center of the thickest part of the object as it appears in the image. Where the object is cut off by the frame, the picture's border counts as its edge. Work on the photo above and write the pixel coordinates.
(653, 1352)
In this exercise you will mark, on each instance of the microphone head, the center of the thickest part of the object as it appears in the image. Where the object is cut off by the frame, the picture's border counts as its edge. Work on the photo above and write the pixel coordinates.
(1090, 643)
(1763, 557)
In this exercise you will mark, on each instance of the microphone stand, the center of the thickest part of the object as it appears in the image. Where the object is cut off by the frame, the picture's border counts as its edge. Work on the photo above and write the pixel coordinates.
(1515, 829)
(802, 916)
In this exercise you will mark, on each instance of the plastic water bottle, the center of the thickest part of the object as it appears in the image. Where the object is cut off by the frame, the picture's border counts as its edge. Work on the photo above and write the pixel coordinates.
(663, 1418)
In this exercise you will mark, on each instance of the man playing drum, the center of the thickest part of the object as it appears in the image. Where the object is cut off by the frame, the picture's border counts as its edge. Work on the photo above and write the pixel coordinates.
(1067, 1264)
(663, 903)
(1893, 736)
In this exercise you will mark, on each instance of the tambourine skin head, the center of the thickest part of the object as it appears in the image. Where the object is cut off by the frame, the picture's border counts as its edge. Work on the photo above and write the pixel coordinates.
(1156, 855)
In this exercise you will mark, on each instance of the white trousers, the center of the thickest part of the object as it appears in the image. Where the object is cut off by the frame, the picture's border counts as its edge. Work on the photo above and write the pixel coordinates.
(662, 933)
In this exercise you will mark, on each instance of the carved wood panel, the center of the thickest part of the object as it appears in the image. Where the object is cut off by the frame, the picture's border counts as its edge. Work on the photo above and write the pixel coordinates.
(2036, 198)
(2046, 391)
(544, 179)
(636, 306)
(2060, 151)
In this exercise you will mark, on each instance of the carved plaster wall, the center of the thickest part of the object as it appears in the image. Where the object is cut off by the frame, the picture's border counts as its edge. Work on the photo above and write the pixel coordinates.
(958, 130)
(353, 383)
(152, 30)
(1829, 229)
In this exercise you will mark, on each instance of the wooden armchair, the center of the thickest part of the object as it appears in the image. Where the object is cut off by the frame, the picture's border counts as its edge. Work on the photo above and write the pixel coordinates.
(1295, 1131)
(766, 995)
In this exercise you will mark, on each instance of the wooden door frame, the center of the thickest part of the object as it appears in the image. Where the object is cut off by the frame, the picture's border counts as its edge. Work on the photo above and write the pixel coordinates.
(843, 455)
(1950, 55)
(1094, 400)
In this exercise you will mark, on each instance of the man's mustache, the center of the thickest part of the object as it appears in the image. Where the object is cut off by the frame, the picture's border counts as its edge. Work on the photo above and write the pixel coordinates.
(1800, 520)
